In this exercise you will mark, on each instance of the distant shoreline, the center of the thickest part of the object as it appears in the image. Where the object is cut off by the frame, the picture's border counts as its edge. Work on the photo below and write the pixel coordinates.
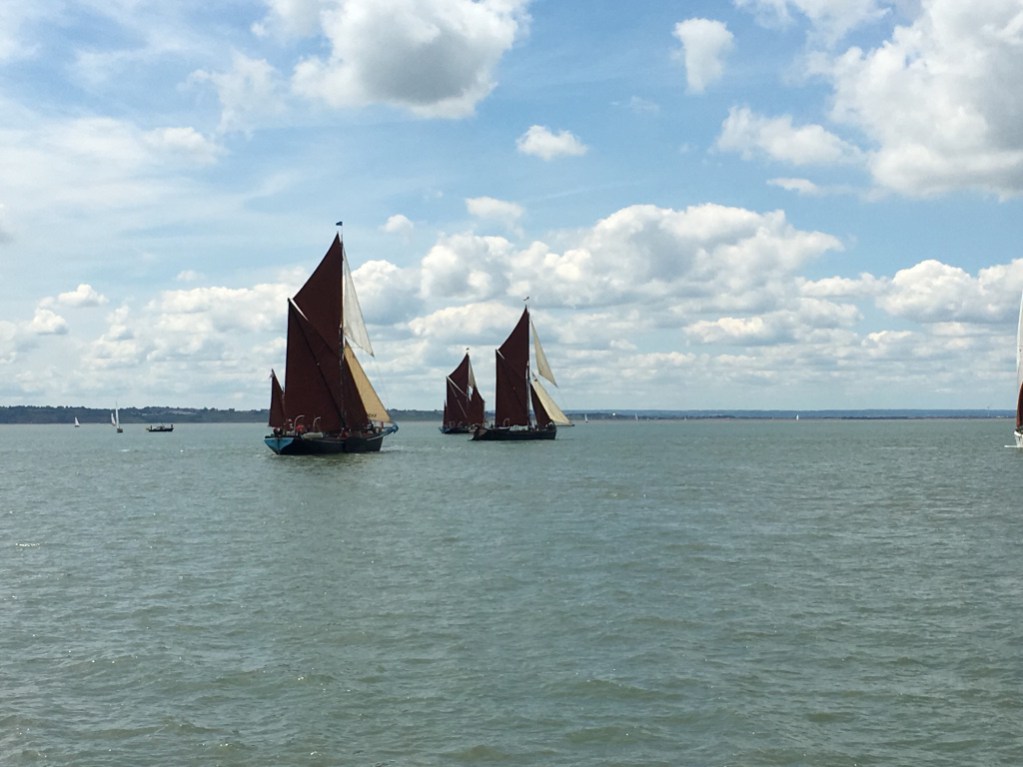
(46, 414)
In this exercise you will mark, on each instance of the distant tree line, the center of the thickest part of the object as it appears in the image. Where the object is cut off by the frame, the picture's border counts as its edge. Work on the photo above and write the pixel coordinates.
(35, 414)
(63, 414)
(66, 415)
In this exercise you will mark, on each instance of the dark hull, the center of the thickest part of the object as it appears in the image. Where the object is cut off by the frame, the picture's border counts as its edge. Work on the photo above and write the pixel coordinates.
(460, 429)
(514, 435)
(328, 444)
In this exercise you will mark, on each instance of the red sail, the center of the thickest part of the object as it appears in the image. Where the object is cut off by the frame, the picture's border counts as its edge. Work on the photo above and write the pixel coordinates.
(312, 376)
(543, 420)
(463, 406)
(320, 297)
(512, 405)
(476, 408)
(277, 417)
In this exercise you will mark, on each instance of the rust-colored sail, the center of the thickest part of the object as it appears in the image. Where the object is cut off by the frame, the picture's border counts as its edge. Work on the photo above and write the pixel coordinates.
(320, 298)
(512, 401)
(277, 417)
(463, 404)
(477, 407)
(543, 420)
(312, 377)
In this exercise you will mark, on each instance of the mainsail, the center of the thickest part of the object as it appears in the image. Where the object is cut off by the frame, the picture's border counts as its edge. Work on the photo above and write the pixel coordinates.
(512, 400)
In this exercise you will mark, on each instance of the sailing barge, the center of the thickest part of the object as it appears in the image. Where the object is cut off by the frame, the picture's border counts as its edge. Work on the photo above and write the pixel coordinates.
(327, 404)
(463, 404)
(517, 390)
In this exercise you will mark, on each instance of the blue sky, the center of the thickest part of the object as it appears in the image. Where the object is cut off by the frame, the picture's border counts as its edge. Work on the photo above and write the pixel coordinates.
(795, 204)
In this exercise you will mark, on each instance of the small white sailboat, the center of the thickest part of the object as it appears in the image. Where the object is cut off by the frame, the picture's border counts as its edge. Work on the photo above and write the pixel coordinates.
(115, 420)
(1018, 433)
(76, 422)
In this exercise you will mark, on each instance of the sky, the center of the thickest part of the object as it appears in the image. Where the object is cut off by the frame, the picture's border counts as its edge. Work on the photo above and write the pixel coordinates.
(755, 204)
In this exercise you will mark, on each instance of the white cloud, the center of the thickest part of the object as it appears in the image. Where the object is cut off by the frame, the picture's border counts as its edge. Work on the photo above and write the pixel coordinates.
(398, 224)
(940, 99)
(489, 208)
(250, 93)
(831, 19)
(931, 291)
(466, 324)
(14, 15)
(713, 255)
(47, 322)
(182, 142)
(388, 294)
(799, 185)
(102, 164)
(290, 18)
(433, 57)
(83, 295)
(705, 44)
(466, 266)
(866, 285)
(800, 320)
(540, 142)
(751, 134)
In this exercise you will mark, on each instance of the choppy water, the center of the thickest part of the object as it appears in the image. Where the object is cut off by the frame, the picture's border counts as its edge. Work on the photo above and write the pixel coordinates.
(692, 593)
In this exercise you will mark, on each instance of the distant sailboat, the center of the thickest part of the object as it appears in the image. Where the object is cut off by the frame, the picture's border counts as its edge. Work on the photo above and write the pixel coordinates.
(115, 420)
(327, 404)
(1018, 433)
(76, 422)
(463, 405)
(517, 388)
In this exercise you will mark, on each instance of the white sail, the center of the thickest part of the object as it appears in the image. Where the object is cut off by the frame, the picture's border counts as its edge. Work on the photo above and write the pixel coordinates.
(555, 412)
(354, 324)
(472, 378)
(76, 422)
(542, 366)
(375, 409)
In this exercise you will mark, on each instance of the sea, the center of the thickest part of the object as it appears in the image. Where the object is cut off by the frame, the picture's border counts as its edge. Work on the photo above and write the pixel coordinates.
(693, 592)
